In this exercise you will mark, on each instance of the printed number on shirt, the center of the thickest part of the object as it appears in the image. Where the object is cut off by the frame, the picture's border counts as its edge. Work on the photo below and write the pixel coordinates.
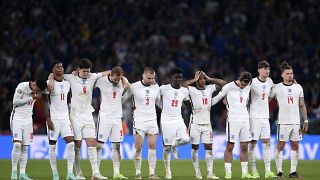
(263, 96)
(241, 99)
(290, 100)
(174, 103)
(114, 94)
(62, 96)
(84, 90)
(147, 101)
(205, 101)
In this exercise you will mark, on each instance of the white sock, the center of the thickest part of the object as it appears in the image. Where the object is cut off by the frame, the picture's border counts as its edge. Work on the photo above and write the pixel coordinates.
(116, 157)
(70, 156)
(166, 158)
(279, 156)
(23, 159)
(227, 167)
(252, 157)
(244, 167)
(15, 155)
(152, 159)
(92, 152)
(266, 156)
(52, 158)
(294, 161)
(209, 161)
(77, 160)
(195, 160)
(99, 152)
(137, 161)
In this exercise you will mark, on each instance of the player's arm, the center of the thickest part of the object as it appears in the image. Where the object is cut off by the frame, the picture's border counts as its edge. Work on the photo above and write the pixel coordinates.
(191, 81)
(45, 108)
(218, 97)
(19, 99)
(50, 82)
(127, 94)
(216, 81)
(272, 93)
(125, 84)
(158, 101)
(105, 73)
(303, 110)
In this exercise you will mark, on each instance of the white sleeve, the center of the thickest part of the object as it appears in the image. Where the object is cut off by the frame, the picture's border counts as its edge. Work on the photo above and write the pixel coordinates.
(273, 91)
(19, 99)
(186, 98)
(301, 92)
(68, 77)
(98, 83)
(221, 95)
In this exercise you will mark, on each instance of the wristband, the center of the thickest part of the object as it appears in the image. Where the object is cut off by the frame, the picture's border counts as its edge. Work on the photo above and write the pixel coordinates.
(306, 121)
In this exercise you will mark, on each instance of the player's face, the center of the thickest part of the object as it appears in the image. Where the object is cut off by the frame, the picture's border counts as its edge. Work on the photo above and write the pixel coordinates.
(84, 73)
(58, 69)
(201, 81)
(264, 72)
(116, 78)
(287, 75)
(35, 88)
(243, 84)
(177, 79)
(148, 78)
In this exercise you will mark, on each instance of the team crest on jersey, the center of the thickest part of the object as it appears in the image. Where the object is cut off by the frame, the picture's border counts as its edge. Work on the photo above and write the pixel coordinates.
(51, 134)
(281, 136)
(176, 93)
(203, 93)
(15, 135)
(100, 136)
(147, 91)
(264, 87)
(289, 90)
(166, 140)
(61, 86)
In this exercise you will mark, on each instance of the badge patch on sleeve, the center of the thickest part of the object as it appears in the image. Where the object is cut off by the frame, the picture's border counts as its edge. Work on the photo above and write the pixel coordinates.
(19, 91)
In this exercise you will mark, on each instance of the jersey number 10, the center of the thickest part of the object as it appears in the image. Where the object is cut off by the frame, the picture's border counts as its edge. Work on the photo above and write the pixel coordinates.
(205, 101)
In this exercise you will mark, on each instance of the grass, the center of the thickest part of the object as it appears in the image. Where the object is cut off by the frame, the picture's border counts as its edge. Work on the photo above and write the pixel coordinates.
(181, 169)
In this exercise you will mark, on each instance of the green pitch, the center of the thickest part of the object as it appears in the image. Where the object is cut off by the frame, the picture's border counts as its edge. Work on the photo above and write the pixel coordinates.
(181, 169)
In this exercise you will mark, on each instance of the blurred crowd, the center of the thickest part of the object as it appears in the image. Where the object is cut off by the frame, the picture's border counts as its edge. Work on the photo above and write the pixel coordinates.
(219, 37)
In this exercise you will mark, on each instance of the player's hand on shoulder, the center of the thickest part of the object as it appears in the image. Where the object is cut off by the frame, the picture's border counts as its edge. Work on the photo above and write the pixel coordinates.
(75, 72)
(36, 95)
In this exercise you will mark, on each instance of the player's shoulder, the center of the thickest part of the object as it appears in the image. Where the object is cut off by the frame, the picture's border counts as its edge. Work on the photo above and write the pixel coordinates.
(298, 86)
(23, 85)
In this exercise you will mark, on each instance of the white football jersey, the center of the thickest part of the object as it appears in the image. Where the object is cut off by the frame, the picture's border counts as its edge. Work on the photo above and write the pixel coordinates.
(144, 101)
(58, 100)
(288, 97)
(172, 100)
(260, 92)
(201, 103)
(22, 103)
(237, 100)
(82, 92)
(111, 104)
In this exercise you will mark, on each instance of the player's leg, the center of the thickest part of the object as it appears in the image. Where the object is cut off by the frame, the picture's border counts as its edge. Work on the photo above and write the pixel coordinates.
(255, 127)
(16, 148)
(295, 138)
(232, 133)
(76, 126)
(68, 136)
(116, 137)
(265, 138)
(104, 128)
(152, 136)
(282, 137)
(182, 138)
(27, 137)
(169, 131)
(207, 138)
(245, 138)
(90, 136)
(52, 137)
(195, 133)
(138, 143)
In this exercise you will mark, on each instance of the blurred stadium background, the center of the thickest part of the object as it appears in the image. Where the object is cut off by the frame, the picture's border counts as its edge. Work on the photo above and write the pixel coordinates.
(220, 37)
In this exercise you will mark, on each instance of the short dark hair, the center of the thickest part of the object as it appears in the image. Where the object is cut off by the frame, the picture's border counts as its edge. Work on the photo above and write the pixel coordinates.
(85, 63)
(176, 71)
(41, 84)
(54, 63)
(284, 65)
(263, 64)
(245, 76)
(116, 70)
(148, 70)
